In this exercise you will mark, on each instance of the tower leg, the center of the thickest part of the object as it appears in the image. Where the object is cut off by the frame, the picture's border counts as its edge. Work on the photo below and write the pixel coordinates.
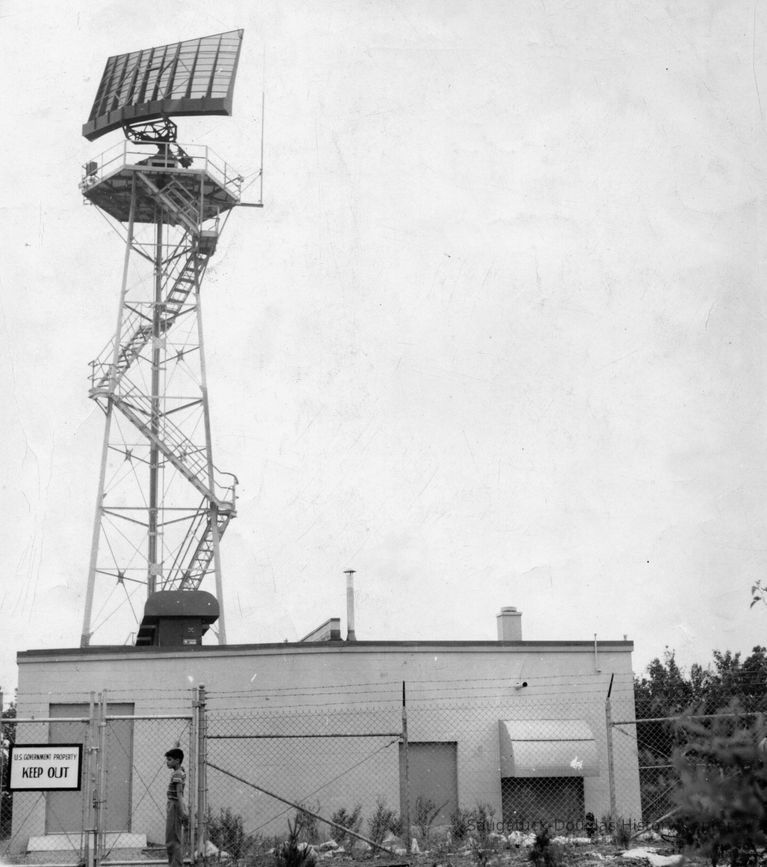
(153, 561)
(85, 637)
(86, 632)
(214, 525)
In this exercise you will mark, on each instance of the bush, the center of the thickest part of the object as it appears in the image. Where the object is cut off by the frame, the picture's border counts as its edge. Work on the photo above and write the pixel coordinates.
(291, 853)
(618, 829)
(460, 824)
(544, 853)
(306, 826)
(225, 831)
(722, 794)
(382, 821)
(482, 817)
(591, 827)
(622, 833)
(351, 820)
(7, 738)
(425, 813)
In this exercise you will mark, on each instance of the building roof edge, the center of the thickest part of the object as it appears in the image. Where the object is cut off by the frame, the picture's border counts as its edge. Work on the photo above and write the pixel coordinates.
(323, 646)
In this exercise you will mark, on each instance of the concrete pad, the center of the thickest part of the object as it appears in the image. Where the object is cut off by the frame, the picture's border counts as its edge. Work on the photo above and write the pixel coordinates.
(62, 842)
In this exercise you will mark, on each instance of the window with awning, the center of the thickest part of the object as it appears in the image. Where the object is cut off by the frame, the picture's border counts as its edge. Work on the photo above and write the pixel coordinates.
(548, 748)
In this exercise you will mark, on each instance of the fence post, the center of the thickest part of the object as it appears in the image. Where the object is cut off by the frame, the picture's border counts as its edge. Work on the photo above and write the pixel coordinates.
(610, 760)
(100, 798)
(89, 789)
(202, 775)
(87, 804)
(406, 774)
(191, 833)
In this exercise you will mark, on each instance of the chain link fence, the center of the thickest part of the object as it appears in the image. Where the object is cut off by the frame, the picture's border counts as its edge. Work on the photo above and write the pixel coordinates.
(523, 758)
(355, 764)
(652, 744)
(324, 762)
(461, 760)
(649, 744)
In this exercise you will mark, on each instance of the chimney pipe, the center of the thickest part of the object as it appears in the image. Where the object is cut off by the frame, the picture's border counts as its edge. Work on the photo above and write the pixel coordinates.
(509, 623)
(350, 636)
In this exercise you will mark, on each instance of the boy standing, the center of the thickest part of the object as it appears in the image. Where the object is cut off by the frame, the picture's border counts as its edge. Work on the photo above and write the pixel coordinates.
(176, 816)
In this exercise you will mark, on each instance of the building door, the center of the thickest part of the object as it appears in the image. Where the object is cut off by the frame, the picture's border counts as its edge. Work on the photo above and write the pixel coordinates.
(433, 779)
(66, 811)
(530, 802)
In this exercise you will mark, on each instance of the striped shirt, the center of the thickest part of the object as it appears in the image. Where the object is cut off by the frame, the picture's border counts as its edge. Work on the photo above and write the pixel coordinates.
(175, 792)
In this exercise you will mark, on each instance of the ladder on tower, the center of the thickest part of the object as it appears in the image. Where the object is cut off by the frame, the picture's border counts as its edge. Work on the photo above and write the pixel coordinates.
(196, 554)
(182, 205)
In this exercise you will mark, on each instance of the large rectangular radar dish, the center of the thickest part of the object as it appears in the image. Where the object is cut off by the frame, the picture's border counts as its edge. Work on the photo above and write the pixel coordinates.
(184, 78)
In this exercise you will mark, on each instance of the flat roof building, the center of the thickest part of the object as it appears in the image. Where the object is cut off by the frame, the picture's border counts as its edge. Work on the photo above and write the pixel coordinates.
(514, 726)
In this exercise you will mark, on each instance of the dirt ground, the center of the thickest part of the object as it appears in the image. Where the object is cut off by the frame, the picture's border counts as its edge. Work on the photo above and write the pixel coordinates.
(571, 857)
(591, 855)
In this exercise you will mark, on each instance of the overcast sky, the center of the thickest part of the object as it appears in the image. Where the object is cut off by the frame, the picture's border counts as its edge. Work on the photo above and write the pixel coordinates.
(497, 337)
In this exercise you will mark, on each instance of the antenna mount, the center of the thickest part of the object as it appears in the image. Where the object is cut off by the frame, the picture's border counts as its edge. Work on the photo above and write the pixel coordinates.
(156, 131)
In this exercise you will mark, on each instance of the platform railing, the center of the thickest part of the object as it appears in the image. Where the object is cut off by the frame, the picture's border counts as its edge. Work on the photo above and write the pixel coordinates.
(128, 154)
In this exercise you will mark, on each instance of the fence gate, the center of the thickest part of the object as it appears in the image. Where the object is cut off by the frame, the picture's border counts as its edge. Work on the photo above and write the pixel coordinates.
(117, 816)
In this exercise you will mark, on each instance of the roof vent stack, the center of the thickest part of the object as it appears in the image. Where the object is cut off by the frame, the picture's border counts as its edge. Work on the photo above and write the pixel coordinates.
(350, 636)
(509, 624)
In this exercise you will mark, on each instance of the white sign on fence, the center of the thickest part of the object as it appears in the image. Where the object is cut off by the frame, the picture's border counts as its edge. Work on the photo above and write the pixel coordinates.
(41, 767)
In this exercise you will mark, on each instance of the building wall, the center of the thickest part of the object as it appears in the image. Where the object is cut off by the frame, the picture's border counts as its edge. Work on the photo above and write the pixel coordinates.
(455, 692)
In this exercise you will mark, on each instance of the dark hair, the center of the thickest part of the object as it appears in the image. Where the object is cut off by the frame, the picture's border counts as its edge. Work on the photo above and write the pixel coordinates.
(175, 753)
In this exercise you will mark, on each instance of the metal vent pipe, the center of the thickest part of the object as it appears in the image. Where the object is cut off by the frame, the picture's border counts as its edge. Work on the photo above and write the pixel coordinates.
(350, 635)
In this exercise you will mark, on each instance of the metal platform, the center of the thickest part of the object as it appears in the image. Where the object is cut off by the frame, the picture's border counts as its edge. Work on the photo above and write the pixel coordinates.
(109, 180)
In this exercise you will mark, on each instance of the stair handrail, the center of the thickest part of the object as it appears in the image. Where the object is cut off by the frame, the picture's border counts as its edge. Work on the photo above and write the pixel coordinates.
(222, 493)
(101, 366)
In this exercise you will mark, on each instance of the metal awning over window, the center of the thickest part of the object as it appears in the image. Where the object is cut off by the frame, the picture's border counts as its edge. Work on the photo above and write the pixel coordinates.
(548, 748)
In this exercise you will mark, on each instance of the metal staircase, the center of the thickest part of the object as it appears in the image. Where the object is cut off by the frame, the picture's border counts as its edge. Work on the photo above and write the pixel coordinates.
(175, 198)
(187, 457)
(193, 561)
(106, 373)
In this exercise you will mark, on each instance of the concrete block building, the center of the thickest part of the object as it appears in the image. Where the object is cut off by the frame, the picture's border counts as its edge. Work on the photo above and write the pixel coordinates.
(516, 726)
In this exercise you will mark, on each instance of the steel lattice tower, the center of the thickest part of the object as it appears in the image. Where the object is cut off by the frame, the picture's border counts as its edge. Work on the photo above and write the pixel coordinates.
(162, 504)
